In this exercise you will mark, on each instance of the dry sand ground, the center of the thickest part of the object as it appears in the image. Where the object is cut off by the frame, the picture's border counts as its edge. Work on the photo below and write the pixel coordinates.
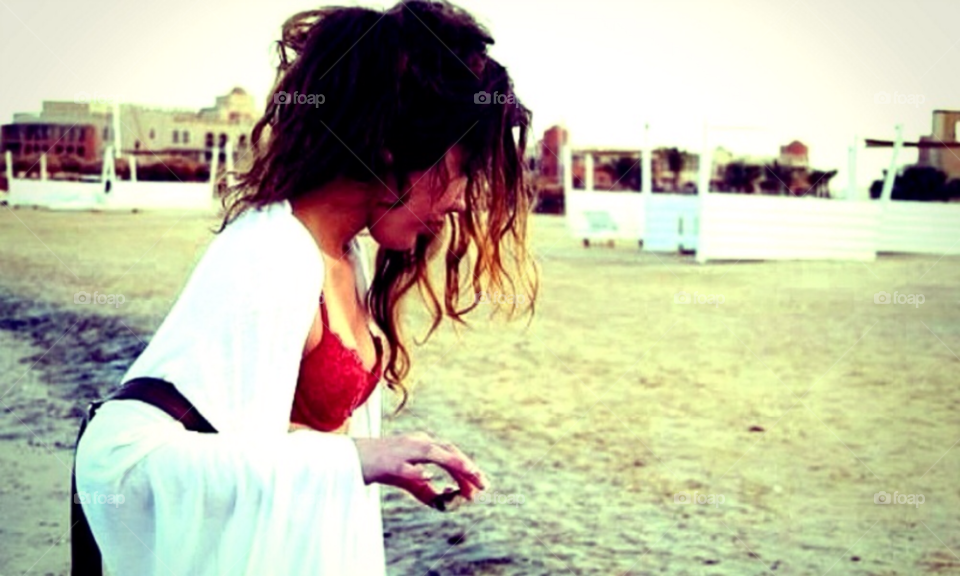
(786, 408)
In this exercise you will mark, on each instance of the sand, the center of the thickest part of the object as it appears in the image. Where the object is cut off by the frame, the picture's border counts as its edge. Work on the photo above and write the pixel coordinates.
(783, 410)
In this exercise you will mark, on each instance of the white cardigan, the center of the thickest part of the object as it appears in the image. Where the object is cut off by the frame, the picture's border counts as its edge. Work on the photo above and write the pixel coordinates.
(255, 498)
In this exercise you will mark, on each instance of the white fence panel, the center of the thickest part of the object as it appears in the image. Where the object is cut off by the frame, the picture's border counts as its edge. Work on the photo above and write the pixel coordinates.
(604, 215)
(920, 228)
(57, 194)
(672, 222)
(125, 194)
(749, 227)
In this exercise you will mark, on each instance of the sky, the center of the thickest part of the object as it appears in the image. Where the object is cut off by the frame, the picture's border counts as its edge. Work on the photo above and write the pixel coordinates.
(758, 74)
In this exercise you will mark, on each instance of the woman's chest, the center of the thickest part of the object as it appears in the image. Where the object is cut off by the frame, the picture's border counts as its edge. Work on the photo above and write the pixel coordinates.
(342, 315)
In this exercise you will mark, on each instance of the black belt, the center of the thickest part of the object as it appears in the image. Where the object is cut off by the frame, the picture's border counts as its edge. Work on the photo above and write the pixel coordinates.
(84, 552)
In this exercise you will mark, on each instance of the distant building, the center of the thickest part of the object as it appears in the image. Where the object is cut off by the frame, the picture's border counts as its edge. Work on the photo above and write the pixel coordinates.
(85, 128)
(80, 140)
(795, 155)
(676, 170)
(553, 140)
(945, 123)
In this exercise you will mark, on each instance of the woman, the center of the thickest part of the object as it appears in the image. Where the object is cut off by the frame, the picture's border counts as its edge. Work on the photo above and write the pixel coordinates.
(270, 339)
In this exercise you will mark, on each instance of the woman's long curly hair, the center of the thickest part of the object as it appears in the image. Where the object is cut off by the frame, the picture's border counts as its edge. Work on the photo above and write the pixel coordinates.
(400, 89)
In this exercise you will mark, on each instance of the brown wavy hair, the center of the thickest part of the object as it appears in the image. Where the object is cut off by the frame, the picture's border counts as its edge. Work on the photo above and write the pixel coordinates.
(401, 88)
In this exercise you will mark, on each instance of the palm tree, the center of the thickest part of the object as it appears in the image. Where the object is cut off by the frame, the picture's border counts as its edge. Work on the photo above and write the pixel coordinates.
(779, 178)
(820, 183)
(741, 177)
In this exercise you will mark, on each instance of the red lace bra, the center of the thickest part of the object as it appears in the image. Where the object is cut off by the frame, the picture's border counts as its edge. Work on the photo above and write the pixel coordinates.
(332, 381)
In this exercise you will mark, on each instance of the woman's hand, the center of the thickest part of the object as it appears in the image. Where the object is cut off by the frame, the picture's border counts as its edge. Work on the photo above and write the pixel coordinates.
(398, 461)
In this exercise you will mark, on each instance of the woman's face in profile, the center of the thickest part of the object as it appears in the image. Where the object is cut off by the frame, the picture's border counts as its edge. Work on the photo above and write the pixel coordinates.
(425, 210)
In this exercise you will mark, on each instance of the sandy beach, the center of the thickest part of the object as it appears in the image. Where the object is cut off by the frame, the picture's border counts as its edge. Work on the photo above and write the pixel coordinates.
(656, 417)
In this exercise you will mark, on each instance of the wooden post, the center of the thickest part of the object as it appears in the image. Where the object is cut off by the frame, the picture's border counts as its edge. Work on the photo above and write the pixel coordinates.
(8, 157)
(43, 166)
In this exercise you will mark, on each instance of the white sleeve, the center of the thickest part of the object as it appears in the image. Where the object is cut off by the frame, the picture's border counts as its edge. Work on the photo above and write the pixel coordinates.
(279, 502)
(233, 342)
(212, 504)
(300, 495)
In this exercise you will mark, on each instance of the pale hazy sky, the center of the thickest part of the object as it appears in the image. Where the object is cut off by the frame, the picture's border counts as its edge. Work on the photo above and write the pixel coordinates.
(804, 69)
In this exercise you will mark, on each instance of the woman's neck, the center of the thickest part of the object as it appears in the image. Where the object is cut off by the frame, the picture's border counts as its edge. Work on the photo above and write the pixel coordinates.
(334, 214)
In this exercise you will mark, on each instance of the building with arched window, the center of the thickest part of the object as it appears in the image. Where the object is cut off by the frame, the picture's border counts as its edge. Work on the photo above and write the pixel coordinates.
(85, 128)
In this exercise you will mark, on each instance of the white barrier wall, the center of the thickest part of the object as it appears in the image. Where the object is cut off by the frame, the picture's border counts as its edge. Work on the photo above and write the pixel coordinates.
(55, 194)
(751, 227)
(665, 222)
(604, 215)
(125, 194)
(672, 222)
(920, 227)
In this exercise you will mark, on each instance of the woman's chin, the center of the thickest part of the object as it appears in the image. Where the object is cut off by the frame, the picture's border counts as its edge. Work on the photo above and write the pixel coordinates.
(397, 242)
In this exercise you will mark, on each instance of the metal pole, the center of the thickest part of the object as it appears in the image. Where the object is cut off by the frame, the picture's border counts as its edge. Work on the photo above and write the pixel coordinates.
(117, 145)
(646, 186)
(892, 172)
(706, 163)
(228, 153)
(703, 190)
(588, 171)
(852, 191)
(214, 159)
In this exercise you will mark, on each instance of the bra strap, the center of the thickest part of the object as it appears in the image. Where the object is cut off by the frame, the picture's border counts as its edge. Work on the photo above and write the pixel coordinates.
(323, 314)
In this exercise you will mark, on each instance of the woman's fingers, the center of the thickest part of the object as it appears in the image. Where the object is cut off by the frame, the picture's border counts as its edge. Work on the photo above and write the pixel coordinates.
(477, 475)
(458, 465)
(399, 461)
(415, 480)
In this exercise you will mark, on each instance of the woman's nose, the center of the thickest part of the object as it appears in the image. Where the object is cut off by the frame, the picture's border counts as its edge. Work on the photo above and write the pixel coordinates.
(460, 204)
(459, 199)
